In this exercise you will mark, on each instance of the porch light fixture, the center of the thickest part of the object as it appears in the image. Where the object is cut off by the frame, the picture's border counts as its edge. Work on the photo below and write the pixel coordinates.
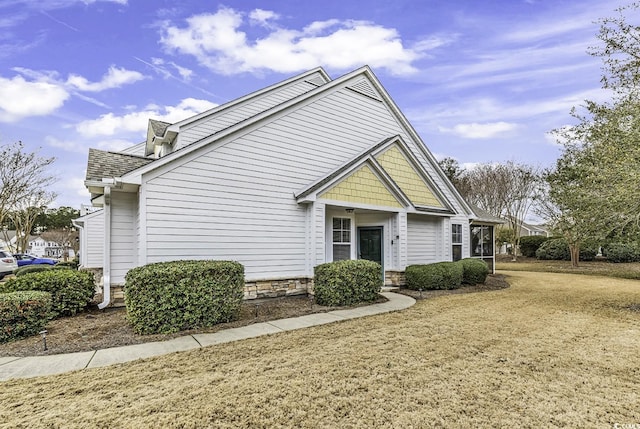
(349, 210)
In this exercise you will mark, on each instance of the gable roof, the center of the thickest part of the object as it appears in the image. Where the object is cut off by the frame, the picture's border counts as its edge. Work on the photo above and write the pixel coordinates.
(373, 88)
(103, 164)
(371, 157)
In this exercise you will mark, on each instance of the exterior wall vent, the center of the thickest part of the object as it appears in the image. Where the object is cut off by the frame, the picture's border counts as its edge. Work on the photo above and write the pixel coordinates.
(365, 88)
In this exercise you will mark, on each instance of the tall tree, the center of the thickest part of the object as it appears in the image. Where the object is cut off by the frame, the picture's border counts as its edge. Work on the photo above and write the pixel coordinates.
(25, 214)
(56, 218)
(22, 174)
(596, 182)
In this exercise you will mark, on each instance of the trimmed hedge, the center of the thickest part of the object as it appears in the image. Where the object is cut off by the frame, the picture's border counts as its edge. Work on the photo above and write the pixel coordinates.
(21, 271)
(73, 264)
(474, 271)
(172, 296)
(70, 290)
(530, 244)
(23, 313)
(440, 275)
(622, 252)
(558, 249)
(347, 282)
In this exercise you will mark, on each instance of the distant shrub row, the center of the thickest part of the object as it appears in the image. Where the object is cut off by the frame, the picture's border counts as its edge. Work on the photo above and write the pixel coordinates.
(446, 275)
(622, 252)
(558, 249)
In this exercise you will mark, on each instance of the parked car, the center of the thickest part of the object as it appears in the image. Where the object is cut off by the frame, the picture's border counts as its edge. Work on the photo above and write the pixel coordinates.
(7, 264)
(24, 259)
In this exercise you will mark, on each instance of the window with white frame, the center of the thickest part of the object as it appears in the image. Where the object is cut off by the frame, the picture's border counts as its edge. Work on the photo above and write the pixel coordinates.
(456, 241)
(341, 238)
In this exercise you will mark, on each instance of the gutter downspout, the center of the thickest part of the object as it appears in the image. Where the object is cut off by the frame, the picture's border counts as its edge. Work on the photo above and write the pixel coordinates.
(106, 265)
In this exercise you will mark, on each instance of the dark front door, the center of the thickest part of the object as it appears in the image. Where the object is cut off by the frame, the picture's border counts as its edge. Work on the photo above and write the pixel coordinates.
(370, 243)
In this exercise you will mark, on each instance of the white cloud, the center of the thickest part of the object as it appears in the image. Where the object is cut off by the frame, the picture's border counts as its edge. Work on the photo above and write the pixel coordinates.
(114, 78)
(481, 131)
(262, 17)
(45, 92)
(81, 146)
(20, 98)
(110, 124)
(217, 42)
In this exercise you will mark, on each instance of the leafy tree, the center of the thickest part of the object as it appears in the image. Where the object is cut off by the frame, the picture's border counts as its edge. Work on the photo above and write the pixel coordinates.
(456, 175)
(56, 218)
(595, 185)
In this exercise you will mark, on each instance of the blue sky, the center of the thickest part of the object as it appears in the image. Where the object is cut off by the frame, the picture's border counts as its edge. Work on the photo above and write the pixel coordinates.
(481, 81)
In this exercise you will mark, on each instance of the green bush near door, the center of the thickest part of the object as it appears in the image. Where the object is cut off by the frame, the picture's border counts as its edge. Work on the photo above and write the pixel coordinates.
(347, 282)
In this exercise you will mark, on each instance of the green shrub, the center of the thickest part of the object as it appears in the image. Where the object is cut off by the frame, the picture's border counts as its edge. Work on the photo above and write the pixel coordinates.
(347, 282)
(71, 291)
(441, 275)
(172, 296)
(530, 244)
(73, 264)
(23, 313)
(26, 269)
(60, 267)
(622, 252)
(558, 249)
(474, 271)
(554, 249)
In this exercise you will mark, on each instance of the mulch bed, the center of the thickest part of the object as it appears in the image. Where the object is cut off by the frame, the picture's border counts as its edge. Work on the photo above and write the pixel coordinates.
(96, 329)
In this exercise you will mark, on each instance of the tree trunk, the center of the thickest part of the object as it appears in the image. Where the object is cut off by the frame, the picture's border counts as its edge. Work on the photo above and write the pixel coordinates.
(574, 249)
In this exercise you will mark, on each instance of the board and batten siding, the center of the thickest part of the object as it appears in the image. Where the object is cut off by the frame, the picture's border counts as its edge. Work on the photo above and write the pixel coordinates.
(94, 241)
(235, 199)
(235, 114)
(423, 239)
(123, 235)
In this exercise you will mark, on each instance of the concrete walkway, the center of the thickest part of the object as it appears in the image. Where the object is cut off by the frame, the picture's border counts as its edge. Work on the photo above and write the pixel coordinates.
(33, 366)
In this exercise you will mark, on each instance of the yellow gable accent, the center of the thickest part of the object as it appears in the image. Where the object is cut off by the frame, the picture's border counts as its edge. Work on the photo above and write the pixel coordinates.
(364, 187)
(407, 178)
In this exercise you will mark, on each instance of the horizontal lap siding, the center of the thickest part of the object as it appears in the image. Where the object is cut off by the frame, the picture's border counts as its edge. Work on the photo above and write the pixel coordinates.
(95, 241)
(123, 235)
(235, 201)
(422, 239)
(241, 112)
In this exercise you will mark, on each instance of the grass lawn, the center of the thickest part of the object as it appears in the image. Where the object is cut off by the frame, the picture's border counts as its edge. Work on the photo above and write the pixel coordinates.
(554, 350)
(597, 268)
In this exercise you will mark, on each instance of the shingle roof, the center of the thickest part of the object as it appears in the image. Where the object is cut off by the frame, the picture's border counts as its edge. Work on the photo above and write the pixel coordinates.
(103, 164)
(484, 216)
(159, 127)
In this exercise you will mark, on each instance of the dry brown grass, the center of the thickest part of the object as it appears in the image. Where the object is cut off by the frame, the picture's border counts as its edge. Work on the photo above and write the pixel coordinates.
(596, 268)
(554, 350)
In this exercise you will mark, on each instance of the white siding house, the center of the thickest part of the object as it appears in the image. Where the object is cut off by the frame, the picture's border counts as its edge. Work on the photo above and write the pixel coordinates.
(91, 235)
(303, 172)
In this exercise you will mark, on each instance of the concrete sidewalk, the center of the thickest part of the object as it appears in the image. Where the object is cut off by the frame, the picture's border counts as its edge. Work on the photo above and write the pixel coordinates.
(33, 366)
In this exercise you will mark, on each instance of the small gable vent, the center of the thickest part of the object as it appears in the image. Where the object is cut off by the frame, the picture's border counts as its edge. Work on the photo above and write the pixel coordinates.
(316, 80)
(364, 87)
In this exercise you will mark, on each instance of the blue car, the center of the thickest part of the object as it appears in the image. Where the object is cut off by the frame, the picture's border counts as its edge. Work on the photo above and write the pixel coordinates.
(23, 259)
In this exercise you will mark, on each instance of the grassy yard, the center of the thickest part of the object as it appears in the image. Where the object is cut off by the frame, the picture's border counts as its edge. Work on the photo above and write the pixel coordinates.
(554, 350)
(597, 268)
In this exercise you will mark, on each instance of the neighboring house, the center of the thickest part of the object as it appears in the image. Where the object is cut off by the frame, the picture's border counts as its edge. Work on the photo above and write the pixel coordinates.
(42, 248)
(91, 235)
(8, 240)
(528, 229)
(303, 172)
